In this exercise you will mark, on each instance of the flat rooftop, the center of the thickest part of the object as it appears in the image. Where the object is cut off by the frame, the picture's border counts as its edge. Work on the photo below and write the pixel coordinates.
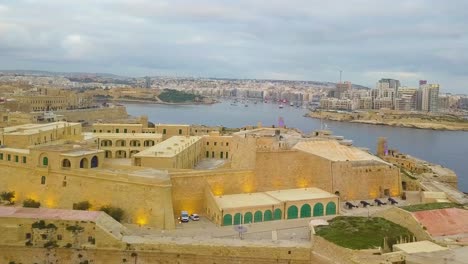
(300, 194)
(174, 125)
(245, 200)
(334, 151)
(16, 150)
(418, 247)
(118, 124)
(30, 129)
(126, 135)
(169, 148)
(46, 213)
(269, 132)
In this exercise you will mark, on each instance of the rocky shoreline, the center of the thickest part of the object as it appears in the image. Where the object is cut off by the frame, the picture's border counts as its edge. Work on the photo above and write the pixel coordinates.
(407, 123)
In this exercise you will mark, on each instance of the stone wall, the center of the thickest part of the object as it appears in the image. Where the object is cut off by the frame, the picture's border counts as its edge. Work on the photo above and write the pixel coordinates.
(92, 114)
(405, 219)
(188, 187)
(143, 201)
(161, 253)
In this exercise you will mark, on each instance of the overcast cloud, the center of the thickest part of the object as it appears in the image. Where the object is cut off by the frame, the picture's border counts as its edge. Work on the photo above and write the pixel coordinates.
(292, 39)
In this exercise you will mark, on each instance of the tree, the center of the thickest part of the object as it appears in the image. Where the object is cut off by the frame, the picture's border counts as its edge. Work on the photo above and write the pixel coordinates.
(7, 196)
(31, 203)
(84, 205)
(114, 212)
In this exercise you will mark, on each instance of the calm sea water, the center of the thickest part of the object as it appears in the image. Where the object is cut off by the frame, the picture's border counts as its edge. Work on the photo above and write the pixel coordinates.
(447, 148)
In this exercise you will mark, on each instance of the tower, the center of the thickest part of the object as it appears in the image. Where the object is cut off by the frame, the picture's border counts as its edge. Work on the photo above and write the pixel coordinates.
(382, 149)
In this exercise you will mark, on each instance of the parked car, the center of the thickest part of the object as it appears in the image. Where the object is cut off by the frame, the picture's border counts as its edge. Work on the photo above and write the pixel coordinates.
(184, 216)
(194, 217)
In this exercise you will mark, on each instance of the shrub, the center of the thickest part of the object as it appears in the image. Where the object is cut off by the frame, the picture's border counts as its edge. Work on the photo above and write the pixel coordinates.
(31, 203)
(39, 224)
(50, 244)
(75, 228)
(114, 212)
(68, 245)
(7, 196)
(84, 205)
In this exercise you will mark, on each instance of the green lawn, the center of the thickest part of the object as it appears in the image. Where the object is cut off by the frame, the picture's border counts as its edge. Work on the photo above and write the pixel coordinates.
(429, 206)
(361, 232)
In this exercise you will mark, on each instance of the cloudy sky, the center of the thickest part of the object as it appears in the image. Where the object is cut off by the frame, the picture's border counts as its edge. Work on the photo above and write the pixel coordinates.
(291, 39)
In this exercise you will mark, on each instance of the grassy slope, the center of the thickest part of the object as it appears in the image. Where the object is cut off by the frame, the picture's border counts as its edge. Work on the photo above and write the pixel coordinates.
(361, 232)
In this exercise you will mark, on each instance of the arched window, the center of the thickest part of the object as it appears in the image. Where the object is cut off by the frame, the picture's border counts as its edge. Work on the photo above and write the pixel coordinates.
(331, 208)
(267, 216)
(278, 214)
(248, 218)
(258, 216)
(305, 211)
(292, 212)
(84, 163)
(45, 161)
(66, 163)
(318, 209)
(43, 179)
(227, 220)
(237, 219)
(94, 162)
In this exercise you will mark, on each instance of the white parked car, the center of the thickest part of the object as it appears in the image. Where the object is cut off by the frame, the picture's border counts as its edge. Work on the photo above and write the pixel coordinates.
(184, 217)
(194, 217)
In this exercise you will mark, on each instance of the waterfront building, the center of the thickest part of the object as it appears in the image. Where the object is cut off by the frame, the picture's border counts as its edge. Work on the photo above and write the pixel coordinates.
(430, 97)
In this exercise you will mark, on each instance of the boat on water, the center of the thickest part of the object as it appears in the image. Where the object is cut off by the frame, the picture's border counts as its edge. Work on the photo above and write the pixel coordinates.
(291, 104)
(281, 106)
(246, 105)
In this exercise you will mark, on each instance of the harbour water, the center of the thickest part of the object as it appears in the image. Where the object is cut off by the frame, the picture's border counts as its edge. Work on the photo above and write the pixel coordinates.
(448, 148)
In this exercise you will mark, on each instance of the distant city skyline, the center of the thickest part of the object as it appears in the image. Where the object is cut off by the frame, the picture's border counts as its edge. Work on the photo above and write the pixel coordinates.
(286, 40)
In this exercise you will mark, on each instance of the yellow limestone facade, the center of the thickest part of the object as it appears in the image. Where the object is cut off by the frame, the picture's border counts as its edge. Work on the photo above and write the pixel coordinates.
(59, 165)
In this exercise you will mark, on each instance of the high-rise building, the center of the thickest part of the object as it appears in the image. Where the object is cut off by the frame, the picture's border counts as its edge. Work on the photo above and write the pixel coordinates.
(341, 89)
(430, 97)
(147, 82)
(388, 91)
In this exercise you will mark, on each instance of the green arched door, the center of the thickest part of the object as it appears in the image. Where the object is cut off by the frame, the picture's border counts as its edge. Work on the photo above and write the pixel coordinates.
(268, 215)
(278, 214)
(292, 212)
(237, 219)
(227, 220)
(318, 209)
(305, 211)
(258, 216)
(248, 218)
(331, 208)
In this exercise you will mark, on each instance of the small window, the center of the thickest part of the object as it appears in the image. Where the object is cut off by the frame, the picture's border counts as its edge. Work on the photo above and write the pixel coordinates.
(43, 179)
(1, 156)
(207, 143)
(94, 130)
(44, 236)
(117, 130)
(64, 184)
(164, 131)
(180, 131)
(9, 157)
(24, 159)
(227, 144)
(125, 130)
(216, 143)
(28, 235)
(45, 161)
(16, 158)
(59, 237)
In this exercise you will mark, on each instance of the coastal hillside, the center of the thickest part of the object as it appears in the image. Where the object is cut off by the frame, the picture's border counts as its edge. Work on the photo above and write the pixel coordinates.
(396, 118)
